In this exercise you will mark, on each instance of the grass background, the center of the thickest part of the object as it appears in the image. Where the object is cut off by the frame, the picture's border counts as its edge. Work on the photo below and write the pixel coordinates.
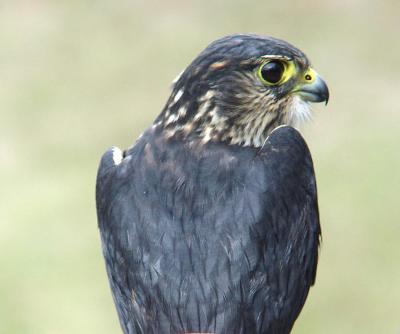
(79, 76)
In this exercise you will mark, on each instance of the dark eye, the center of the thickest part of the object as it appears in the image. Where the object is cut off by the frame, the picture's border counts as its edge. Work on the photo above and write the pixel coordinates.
(272, 72)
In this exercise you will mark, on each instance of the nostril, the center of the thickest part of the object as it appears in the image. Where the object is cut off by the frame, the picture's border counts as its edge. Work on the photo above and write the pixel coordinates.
(308, 77)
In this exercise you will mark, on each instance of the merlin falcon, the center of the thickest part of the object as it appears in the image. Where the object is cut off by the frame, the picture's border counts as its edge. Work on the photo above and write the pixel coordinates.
(209, 223)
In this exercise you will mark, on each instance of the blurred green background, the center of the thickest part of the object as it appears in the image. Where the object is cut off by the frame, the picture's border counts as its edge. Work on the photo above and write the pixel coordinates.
(79, 76)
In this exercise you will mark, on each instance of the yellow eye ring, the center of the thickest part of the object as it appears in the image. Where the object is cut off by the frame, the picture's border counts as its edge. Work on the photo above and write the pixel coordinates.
(275, 72)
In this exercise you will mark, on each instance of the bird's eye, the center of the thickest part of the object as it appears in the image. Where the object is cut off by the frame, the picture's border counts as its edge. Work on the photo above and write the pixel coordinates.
(271, 73)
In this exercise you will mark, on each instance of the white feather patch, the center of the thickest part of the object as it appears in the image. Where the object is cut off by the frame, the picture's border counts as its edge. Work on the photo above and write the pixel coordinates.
(178, 95)
(117, 155)
(299, 112)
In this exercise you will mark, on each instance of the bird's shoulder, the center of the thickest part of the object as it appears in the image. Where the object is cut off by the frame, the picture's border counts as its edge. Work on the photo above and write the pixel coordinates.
(156, 165)
(287, 159)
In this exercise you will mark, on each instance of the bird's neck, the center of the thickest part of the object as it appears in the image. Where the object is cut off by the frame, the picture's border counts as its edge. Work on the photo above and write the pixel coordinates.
(246, 123)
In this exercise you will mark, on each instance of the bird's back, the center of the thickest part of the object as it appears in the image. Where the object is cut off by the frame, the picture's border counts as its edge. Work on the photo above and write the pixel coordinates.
(216, 240)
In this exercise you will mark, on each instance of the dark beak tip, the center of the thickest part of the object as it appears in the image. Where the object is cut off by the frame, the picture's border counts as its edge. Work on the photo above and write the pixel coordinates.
(324, 91)
(326, 99)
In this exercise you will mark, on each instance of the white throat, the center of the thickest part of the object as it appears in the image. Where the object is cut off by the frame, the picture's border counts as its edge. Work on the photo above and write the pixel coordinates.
(299, 112)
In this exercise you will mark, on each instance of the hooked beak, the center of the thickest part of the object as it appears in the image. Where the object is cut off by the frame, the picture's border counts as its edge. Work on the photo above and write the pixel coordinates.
(312, 88)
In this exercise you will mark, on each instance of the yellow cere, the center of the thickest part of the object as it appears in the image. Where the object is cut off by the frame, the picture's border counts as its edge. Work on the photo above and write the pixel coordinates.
(309, 76)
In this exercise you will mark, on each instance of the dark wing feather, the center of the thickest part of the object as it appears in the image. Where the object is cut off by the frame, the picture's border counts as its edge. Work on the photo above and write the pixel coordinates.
(216, 238)
(292, 226)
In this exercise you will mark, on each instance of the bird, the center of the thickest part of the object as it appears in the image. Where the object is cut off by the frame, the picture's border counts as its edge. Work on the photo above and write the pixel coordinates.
(209, 222)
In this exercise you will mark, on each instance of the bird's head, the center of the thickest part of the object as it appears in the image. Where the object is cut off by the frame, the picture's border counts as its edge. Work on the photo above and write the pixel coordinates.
(239, 89)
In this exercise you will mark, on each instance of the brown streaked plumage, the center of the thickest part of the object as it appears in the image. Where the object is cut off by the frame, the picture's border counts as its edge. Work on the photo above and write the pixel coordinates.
(222, 99)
